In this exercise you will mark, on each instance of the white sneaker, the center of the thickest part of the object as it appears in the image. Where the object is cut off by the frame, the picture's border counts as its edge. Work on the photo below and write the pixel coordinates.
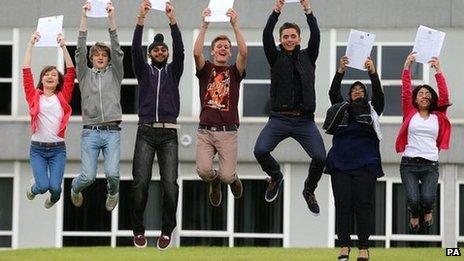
(29, 193)
(49, 203)
(111, 201)
(76, 198)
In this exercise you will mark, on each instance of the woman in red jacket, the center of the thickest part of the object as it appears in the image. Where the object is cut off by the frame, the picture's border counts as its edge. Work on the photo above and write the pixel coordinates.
(50, 111)
(425, 131)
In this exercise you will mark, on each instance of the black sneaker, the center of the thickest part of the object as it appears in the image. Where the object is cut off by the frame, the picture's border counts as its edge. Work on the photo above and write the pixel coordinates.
(311, 201)
(215, 192)
(273, 188)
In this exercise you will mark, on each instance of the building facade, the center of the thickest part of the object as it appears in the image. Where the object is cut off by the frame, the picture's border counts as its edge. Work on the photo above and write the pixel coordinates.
(249, 221)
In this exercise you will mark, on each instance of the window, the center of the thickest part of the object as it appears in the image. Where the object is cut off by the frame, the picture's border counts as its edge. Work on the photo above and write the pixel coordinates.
(256, 222)
(6, 211)
(90, 225)
(6, 52)
(129, 86)
(255, 94)
(461, 211)
(389, 70)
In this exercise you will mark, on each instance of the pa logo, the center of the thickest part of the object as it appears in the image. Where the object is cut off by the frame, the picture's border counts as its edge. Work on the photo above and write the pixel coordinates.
(453, 251)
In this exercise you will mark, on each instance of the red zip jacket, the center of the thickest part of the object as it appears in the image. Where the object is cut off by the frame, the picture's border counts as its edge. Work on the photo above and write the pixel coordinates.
(64, 96)
(444, 125)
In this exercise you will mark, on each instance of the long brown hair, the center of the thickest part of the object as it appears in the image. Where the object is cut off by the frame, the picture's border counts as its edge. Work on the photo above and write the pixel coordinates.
(47, 69)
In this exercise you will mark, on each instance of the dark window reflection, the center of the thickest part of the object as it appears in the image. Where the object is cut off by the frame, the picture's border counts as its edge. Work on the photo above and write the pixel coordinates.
(255, 215)
(129, 98)
(6, 52)
(197, 212)
(76, 101)
(6, 203)
(355, 243)
(461, 210)
(92, 215)
(256, 100)
(5, 241)
(258, 242)
(204, 241)
(393, 58)
(414, 244)
(153, 210)
(86, 241)
(5, 98)
(392, 100)
(401, 214)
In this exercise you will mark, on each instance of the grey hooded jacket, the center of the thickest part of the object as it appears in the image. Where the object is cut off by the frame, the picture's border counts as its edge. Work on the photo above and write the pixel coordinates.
(100, 90)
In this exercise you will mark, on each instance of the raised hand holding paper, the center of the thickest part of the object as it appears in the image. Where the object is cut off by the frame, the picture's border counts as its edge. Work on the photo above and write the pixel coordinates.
(218, 10)
(48, 29)
(159, 4)
(359, 48)
(428, 44)
(98, 8)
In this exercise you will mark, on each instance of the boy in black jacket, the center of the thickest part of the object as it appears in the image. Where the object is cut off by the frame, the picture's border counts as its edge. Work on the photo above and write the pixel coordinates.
(293, 102)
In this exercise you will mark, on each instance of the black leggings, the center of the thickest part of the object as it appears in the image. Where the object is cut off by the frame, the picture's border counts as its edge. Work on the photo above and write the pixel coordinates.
(354, 195)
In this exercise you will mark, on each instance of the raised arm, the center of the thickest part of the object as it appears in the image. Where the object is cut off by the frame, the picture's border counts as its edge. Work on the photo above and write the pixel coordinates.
(315, 37)
(443, 95)
(406, 93)
(269, 44)
(117, 55)
(138, 55)
(178, 52)
(335, 94)
(200, 41)
(242, 47)
(81, 50)
(378, 99)
(28, 54)
(28, 81)
(70, 74)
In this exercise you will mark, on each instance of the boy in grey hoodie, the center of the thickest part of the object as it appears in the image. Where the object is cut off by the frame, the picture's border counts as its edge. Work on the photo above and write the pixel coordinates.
(100, 89)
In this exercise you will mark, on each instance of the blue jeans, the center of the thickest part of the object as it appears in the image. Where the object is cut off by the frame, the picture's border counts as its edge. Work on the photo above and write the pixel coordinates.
(92, 141)
(413, 171)
(164, 143)
(305, 132)
(48, 165)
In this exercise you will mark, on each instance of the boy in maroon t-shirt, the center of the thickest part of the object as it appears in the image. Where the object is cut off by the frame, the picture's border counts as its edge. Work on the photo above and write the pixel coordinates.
(219, 92)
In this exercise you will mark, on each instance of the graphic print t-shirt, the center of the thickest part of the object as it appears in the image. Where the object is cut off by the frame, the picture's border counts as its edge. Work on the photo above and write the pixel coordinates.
(219, 93)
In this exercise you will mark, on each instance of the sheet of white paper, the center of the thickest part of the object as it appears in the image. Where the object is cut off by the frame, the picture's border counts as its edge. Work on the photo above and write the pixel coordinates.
(218, 10)
(428, 43)
(98, 8)
(158, 4)
(359, 48)
(49, 28)
(292, 1)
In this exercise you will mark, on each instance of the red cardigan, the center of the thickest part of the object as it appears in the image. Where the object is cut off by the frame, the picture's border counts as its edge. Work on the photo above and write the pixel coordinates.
(444, 125)
(64, 96)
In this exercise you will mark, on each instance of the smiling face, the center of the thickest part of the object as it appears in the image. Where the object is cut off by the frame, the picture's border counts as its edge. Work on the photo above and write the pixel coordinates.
(423, 99)
(289, 38)
(159, 54)
(221, 52)
(50, 79)
(356, 92)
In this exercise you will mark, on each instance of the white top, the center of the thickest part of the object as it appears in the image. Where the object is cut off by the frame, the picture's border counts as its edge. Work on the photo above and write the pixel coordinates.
(422, 137)
(49, 120)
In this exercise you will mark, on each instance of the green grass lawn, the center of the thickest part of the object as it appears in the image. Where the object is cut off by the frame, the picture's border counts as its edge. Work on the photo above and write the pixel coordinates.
(217, 253)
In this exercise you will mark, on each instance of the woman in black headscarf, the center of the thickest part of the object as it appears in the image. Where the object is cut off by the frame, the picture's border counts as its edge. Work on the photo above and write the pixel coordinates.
(354, 159)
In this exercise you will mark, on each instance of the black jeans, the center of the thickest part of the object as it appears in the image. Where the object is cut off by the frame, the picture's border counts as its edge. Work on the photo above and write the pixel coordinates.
(412, 171)
(354, 196)
(164, 143)
(305, 132)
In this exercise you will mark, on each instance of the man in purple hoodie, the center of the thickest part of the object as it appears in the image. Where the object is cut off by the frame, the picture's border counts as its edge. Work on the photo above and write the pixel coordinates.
(157, 131)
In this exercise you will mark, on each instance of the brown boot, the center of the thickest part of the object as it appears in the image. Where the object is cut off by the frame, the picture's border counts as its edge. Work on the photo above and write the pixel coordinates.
(215, 192)
(236, 188)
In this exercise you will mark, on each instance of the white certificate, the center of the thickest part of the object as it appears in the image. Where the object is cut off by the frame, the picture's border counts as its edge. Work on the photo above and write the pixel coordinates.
(98, 8)
(359, 48)
(159, 4)
(218, 10)
(428, 43)
(292, 1)
(49, 28)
